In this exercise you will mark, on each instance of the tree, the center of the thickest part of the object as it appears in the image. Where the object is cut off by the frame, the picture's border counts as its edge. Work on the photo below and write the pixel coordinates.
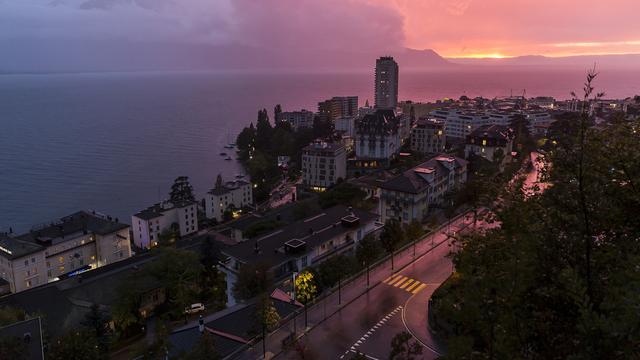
(13, 347)
(126, 310)
(179, 273)
(334, 269)
(391, 236)
(403, 349)
(181, 190)
(554, 279)
(412, 232)
(205, 348)
(253, 279)
(219, 182)
(10, 315)
(212, 281)
(75, 345)
(367, 252)
(265, 318)
(246, 140)
(97, 323)
(263, 131)
(306, 290)
(277, 110)
(322, 128)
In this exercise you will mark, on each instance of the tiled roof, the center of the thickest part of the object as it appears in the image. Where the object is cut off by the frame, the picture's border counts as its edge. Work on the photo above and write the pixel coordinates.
(411, 180)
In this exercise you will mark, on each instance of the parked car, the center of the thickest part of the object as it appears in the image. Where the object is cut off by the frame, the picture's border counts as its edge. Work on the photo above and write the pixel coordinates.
(194, 308)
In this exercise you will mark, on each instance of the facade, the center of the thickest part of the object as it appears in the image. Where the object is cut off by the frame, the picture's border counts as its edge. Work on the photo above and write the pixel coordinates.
(410, 195)
(459, 123)
(377, 139)
(297, 119)
(346, 125)
(148, 224)
(386, 83)
(232, 195)
(428, 136)
(323, 164)
(301, 244)
(488, 139)
(76, 243)
(338, 107)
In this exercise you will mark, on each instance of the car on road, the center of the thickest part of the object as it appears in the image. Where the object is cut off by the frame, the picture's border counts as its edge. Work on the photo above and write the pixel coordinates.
(194, 308)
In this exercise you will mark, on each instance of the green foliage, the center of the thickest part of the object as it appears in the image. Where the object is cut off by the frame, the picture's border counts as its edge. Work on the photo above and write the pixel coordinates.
(342, 194)
(213, 284)
(179, 273)
(181, 190)
(335, 268)
(13, 347)
(75, 345)
(368, 250)
(559, 278)
(413, 231)
(306, 288)
(391, 235)
(96, 322)
(10, 315)
(125, 312)
(253, 279)
(322, 128)
(265, 318)
(261, 227)
(402, 348)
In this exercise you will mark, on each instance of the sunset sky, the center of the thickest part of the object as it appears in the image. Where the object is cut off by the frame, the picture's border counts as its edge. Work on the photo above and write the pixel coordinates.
(453, 28)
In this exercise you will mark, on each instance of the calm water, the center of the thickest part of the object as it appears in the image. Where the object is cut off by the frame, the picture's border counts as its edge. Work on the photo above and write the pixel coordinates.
(115, 142)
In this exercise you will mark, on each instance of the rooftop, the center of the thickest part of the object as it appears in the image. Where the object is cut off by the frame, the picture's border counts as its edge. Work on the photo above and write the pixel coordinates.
(30, 332)
(157, 210)
(491, 132)
(416, 180)
(228, 187)
(312, 231)
(324, 146)
(81, 222)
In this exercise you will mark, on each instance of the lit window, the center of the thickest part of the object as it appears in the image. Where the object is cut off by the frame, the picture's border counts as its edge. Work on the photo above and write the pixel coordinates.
(484, 142)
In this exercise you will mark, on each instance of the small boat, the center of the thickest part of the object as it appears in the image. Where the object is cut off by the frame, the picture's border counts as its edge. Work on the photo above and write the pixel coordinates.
(239, 176)
(223, 154)
(228, 158)
(229, 146)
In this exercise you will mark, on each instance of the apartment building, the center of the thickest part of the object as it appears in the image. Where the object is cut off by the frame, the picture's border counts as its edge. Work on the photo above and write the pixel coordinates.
(323, 164)
(76, 243)
(149, 223)
(428, 136)
(231, 195)
(338, 107)
(386, 83)
(410, 195)
(486, 140)
(301, 244)
(297, 119)
(377, 139)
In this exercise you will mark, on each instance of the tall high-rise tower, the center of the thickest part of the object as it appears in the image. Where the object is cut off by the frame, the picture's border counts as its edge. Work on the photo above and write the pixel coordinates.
(386, 86)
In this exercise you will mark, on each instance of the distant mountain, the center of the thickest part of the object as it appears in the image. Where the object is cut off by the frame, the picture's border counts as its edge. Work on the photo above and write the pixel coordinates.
(84, 56)
(618, 61)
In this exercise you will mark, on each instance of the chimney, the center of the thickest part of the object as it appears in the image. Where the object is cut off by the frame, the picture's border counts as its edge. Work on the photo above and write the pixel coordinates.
(201, 325)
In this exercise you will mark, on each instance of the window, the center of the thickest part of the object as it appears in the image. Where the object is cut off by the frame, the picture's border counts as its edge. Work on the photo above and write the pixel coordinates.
(33, 260)
(304, 261)
(26, 263)
(61, 259)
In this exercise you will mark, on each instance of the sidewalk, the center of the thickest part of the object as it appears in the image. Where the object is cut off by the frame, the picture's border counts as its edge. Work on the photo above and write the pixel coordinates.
(351, 289)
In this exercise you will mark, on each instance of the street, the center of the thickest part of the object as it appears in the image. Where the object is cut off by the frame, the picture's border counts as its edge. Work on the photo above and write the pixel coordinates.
(366, 321)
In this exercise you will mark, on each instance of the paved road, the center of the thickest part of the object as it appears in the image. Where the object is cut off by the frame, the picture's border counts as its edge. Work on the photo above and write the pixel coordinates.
(366, 321)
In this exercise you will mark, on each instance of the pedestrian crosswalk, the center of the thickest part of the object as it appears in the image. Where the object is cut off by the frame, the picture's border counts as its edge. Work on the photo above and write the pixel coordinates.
(405, 283)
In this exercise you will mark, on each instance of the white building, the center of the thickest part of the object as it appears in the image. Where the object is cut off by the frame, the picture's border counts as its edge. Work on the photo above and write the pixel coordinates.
(148, 224)
(232, 195)
(460, 123)
(76, 243)
(323, 164)
(428, 136)
(301, 244)
(377, 139)
(297, 119)
(409, 196)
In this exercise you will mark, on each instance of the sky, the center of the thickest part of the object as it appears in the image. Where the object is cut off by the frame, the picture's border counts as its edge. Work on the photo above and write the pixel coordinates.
(73, 30)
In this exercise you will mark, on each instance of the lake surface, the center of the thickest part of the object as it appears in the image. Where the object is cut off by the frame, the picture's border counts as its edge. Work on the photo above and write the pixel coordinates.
(114, 142)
